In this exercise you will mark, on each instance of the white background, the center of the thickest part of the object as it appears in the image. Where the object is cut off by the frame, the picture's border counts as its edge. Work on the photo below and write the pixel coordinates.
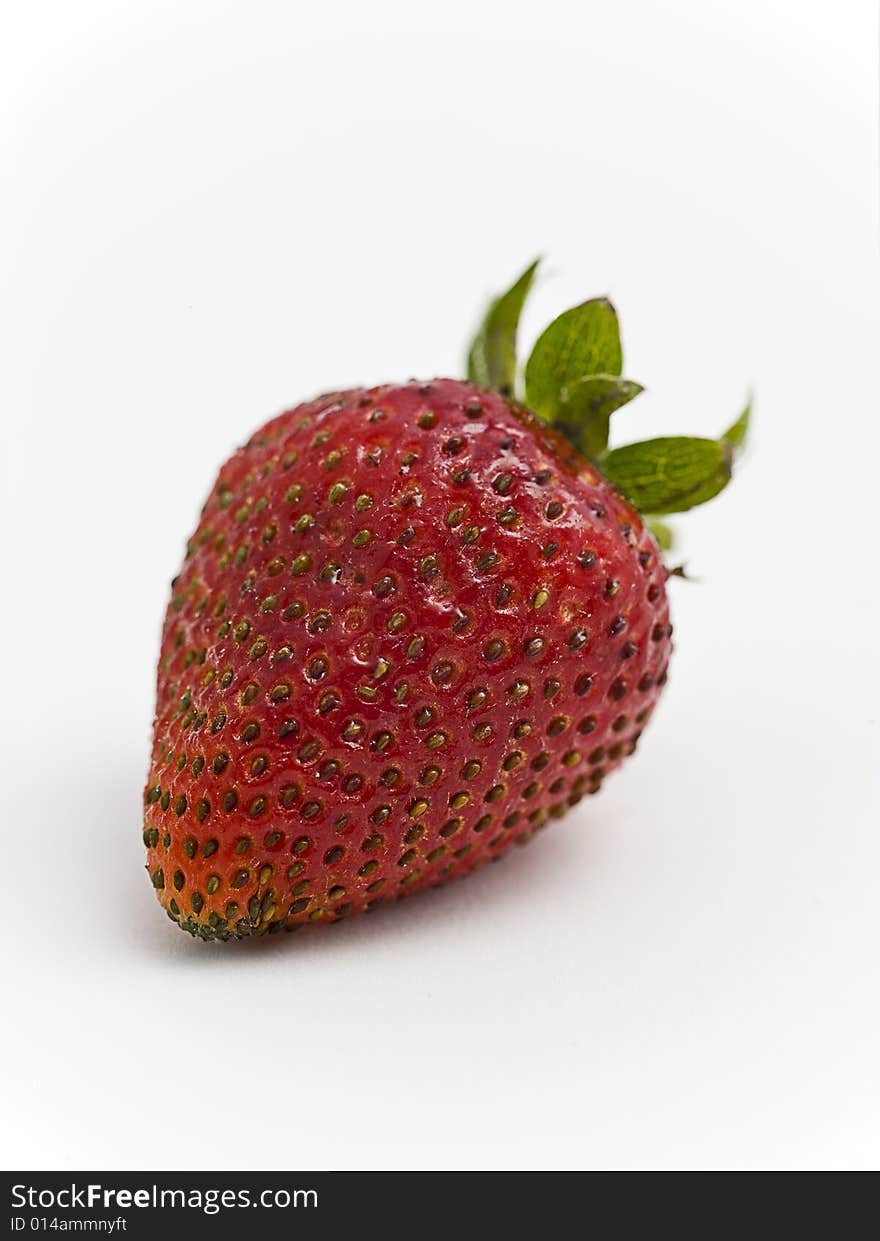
(214, 210)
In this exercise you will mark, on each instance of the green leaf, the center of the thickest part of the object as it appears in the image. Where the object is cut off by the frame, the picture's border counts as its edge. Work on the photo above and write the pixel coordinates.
(663, 533)
(670, 475)
(492, 356)
(585, 413)
(737, 433)
(582, 341)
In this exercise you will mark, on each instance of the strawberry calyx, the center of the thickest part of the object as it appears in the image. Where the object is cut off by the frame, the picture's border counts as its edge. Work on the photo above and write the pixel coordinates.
(573, 380)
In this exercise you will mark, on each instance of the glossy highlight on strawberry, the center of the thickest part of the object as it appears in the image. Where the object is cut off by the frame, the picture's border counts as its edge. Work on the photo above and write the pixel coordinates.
(413, 625)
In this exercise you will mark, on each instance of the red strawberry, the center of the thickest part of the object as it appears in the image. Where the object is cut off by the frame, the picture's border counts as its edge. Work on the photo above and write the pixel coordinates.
(413, 624)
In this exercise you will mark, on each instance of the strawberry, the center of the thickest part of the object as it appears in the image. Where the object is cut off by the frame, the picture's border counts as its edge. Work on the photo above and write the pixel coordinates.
(414, 623)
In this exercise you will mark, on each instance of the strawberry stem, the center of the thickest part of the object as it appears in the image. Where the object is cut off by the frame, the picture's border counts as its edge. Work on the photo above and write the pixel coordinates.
(573, 380)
